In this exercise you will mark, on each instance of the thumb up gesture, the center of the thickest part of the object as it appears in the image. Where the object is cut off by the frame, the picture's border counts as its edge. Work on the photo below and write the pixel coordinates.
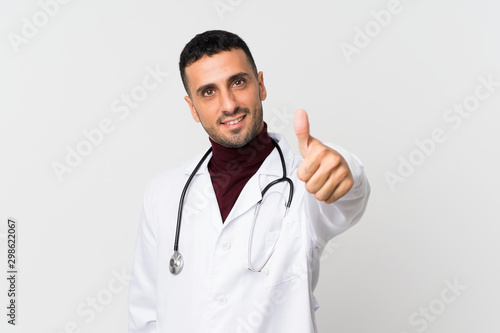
(324, 171)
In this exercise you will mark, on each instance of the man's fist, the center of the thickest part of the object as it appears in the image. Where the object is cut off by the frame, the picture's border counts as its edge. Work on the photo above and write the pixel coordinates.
(324, 170)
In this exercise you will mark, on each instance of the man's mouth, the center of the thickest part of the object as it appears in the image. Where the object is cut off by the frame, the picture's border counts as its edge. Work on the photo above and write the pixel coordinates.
(233, 122)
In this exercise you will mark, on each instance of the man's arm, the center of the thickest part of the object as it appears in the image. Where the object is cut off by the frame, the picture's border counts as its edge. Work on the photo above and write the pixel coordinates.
(142, 291)
(331, 219)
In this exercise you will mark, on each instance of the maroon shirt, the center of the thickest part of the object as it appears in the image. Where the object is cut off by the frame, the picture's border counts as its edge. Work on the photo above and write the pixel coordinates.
(231, 168)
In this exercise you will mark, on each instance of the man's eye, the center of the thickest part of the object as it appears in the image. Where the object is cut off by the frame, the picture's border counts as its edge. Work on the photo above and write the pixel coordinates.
(239, 82)
(208, 92)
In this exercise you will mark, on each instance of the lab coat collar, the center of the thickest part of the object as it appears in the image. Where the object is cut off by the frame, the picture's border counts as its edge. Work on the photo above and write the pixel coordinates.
(270, 166)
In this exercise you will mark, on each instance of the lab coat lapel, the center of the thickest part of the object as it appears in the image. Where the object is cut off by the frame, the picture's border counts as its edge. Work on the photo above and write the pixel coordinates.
(249, 196)
(215, 216)
(205, 189)
(252, 192)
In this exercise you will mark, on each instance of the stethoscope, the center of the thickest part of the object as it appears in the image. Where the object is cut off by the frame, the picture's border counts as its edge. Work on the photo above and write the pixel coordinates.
(177, 261)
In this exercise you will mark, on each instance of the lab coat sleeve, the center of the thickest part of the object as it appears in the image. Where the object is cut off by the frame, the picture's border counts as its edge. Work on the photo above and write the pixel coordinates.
(330, 220)
(142, 291)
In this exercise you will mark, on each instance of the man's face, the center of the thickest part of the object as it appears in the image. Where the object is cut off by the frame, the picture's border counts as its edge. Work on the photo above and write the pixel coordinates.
(226, 97)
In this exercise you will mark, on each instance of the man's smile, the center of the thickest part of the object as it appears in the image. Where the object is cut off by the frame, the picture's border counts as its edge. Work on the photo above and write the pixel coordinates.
(234, 122)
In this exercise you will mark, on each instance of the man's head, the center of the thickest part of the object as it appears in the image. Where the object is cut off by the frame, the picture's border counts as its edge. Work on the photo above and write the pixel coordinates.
(225, 92)
(209, 43)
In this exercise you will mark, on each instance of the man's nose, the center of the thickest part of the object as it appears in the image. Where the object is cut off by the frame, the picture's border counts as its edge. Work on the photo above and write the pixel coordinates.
(228, 102)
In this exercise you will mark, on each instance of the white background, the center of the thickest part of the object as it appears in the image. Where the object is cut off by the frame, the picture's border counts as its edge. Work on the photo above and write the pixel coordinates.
(440, 224)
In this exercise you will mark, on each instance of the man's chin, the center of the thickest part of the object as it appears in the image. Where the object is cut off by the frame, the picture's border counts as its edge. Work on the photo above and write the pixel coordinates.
(235, 141)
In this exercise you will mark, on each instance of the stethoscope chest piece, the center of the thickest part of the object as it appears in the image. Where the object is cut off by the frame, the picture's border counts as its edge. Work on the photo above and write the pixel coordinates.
(176, 263)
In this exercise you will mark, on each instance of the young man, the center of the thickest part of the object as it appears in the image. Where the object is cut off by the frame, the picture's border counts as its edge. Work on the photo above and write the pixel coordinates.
(250, 253)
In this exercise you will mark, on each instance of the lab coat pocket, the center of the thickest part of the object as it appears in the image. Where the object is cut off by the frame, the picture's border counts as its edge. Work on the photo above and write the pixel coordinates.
(287, 260)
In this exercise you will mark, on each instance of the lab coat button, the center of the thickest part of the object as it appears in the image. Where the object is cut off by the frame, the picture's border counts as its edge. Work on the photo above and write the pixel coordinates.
(221, 300)
(225, 246)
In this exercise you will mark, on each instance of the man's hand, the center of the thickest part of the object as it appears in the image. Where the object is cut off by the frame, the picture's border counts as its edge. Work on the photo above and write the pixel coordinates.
(324, 170)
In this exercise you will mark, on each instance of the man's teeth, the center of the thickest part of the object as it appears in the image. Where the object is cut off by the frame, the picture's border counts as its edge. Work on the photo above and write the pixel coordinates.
(234, 121)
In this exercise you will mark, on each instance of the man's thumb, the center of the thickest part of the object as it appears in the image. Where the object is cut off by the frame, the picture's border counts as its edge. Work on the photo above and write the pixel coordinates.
(301, 126)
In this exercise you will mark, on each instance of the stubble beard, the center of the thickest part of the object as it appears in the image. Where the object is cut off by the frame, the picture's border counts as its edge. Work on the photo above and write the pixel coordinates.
(237, 139)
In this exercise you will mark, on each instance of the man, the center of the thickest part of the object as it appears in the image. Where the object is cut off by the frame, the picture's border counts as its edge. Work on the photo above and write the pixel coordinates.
(243, 268)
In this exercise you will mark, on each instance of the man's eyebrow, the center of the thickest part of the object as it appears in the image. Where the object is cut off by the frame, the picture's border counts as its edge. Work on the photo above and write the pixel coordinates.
(230, 79)
(237, 76)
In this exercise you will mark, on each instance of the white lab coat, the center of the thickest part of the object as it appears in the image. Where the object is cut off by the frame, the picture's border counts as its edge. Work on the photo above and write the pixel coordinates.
(215, 292)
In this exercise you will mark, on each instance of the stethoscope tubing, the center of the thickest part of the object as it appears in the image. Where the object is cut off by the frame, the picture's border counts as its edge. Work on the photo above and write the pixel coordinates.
(181, 201)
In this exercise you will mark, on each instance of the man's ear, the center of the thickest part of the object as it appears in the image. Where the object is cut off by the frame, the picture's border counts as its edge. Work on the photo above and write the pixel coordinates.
(262, 87)
(193, 110)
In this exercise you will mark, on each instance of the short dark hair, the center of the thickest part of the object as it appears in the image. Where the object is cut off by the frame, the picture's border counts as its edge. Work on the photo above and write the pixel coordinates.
(209, 43)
